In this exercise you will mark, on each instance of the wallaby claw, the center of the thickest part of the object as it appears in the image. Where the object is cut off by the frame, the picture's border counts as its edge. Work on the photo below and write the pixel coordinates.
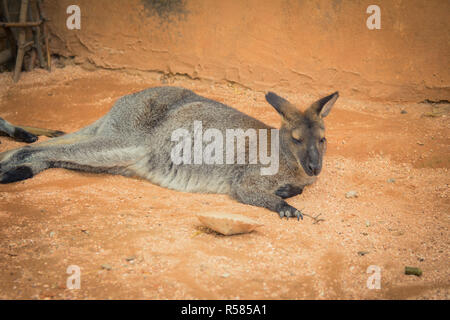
(290, 212)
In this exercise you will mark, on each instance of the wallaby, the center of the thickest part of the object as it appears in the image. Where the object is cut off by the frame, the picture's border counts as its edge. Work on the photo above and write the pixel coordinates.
(134, 139)
(25, 134)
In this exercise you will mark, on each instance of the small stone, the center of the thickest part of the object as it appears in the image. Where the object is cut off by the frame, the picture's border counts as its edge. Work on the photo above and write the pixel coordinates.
(391, 180)
(51, 234)
(130, 259)
(225, 275)
(351, 194)
(106, 266)
(363, 253)
(420, 143)
(367, 223)
(403, 112)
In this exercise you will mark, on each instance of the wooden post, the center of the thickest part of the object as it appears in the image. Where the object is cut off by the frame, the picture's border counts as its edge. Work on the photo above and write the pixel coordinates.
(21, 40)
(45, 32)
(37, 38)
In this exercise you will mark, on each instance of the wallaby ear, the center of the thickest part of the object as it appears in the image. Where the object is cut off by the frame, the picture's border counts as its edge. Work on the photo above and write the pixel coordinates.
(323, 106)
(284, 107)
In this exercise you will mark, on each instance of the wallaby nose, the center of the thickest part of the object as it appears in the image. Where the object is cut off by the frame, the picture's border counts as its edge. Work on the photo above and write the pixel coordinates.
(314, 168)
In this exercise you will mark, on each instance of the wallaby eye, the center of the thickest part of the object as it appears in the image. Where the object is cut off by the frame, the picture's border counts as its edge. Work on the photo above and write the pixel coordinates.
(323, 140)
(299, 140)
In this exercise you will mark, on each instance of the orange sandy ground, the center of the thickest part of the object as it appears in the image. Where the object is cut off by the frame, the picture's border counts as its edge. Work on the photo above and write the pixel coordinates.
(154, 244)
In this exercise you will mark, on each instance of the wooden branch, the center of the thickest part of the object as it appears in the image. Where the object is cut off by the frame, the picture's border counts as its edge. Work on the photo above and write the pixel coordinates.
(20, 24)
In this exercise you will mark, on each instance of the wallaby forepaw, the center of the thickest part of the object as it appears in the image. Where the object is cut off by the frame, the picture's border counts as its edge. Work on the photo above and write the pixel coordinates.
(290, 212)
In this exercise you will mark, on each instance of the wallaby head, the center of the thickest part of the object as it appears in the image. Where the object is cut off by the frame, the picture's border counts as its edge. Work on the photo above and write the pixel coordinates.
(303, 133)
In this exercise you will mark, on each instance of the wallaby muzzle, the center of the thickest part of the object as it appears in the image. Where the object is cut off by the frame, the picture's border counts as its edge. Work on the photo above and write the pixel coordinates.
(312, 162)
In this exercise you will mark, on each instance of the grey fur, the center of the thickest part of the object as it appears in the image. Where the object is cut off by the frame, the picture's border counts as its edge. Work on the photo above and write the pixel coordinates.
(134, 139)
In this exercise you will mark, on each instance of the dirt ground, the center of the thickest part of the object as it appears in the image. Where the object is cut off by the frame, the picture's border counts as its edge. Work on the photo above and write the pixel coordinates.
(135, 240)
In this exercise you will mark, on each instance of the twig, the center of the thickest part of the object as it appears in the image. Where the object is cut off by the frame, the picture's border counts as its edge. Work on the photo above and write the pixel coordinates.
(316, 218)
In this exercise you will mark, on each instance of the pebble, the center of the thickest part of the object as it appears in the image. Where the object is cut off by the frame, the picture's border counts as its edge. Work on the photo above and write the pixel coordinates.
(391, 180)
(225, 275)
(106, 266)
(351, 194)
(403, 112)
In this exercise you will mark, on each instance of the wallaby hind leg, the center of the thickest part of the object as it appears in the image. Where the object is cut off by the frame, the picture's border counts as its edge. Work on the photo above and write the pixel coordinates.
(91, 154)
(26, 134)
(17, 133)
